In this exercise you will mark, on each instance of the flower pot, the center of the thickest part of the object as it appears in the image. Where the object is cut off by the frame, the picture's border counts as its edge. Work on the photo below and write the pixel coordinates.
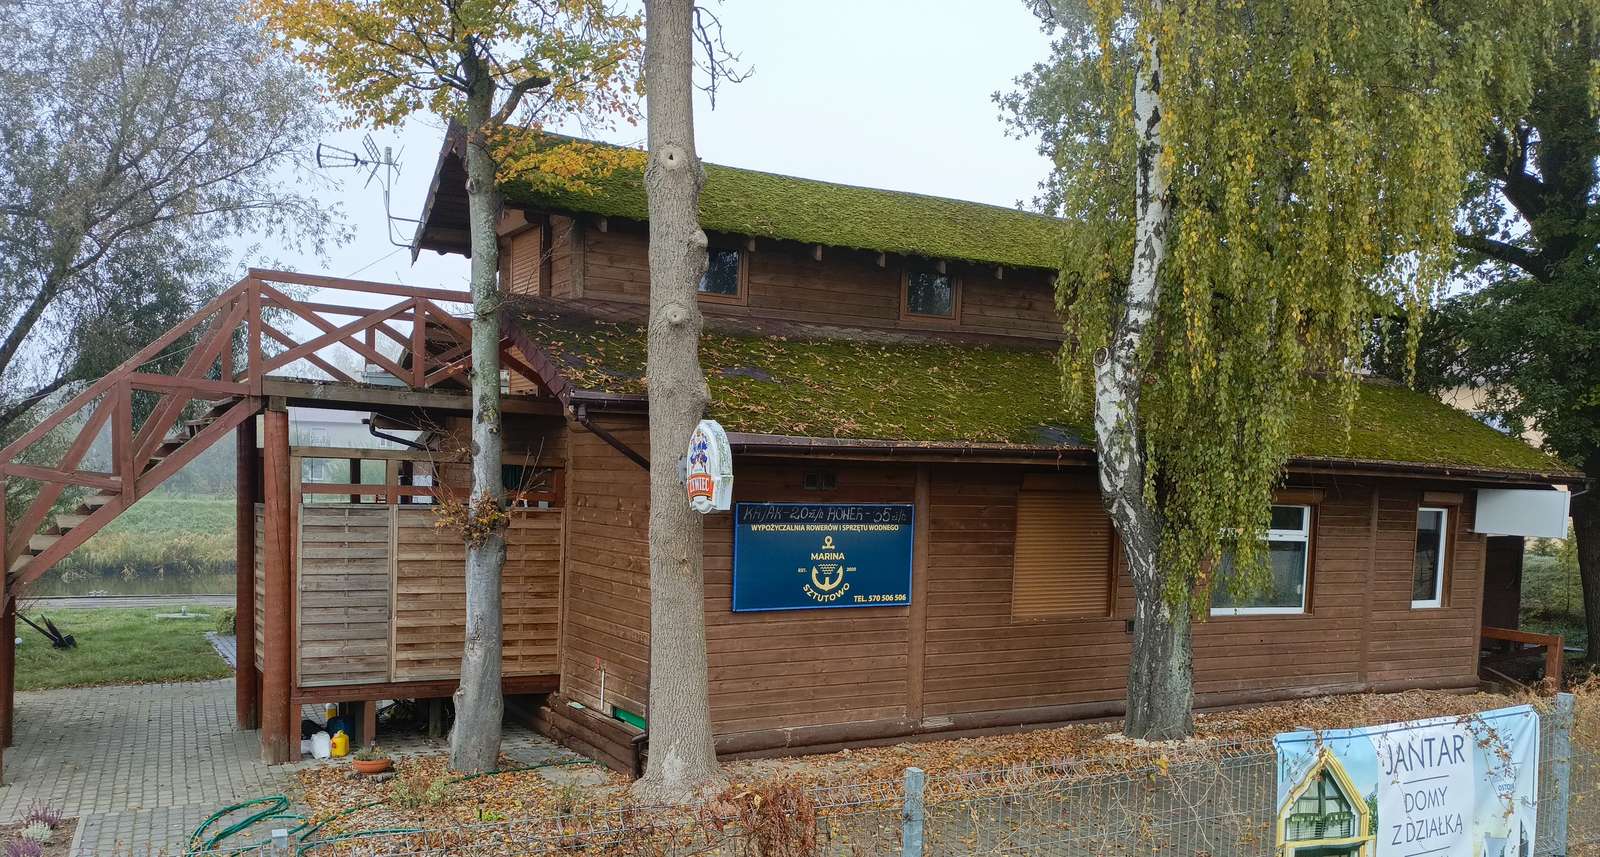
(371, 766)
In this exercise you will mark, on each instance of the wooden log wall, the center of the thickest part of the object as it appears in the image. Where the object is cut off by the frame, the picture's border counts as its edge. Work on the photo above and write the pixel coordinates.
(787, 282)
(791, 678)
(1359, 631)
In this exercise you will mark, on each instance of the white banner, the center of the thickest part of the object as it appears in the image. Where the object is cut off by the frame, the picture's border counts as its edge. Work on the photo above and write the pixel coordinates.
(1446, 787)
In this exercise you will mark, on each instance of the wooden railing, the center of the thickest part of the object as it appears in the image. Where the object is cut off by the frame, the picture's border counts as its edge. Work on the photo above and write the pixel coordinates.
(1552, 644)
(240, 338)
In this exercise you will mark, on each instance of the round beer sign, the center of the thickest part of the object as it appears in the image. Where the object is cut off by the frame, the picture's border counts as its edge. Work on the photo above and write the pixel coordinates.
(709, 473)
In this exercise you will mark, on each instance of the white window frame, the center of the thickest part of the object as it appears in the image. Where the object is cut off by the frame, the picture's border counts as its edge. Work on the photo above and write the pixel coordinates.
(1438, 572)
(1302, 535)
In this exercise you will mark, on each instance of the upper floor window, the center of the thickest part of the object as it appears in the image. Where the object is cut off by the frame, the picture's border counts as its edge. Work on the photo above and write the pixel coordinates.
(1288, 556)
(724, 276)
(930, 294)
(1427, 574)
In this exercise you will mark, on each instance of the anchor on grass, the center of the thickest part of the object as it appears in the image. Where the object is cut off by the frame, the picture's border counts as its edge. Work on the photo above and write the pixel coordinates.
(51, 632)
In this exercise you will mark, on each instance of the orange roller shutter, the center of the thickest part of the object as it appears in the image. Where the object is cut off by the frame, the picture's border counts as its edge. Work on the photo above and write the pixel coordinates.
(1063, 556)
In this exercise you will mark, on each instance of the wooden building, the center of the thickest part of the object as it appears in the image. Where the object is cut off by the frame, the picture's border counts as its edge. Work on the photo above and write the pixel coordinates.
(886, 367)
(872, 347)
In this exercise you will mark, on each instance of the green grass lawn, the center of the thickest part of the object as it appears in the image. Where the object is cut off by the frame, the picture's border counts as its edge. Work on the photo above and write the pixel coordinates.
(118, 646)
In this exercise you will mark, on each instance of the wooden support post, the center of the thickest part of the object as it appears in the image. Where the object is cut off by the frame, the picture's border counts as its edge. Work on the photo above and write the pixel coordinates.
(435, 718)
(8, 639)
(8, 666)
(355, 478)
(369, 722)
(276, 704)
(247, 706)
(8, 671)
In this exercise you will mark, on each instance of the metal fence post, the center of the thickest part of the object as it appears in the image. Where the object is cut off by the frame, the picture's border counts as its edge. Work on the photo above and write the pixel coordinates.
(1561, 769)
(911, 817)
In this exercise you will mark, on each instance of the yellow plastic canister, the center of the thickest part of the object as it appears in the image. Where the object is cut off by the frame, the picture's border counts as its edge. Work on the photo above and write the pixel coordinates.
(340, 744)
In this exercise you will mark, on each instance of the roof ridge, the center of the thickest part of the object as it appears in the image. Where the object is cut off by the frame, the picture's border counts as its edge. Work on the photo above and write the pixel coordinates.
(830, 182)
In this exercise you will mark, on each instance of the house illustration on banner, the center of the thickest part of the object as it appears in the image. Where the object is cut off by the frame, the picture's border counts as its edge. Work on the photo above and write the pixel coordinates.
(1324, 815)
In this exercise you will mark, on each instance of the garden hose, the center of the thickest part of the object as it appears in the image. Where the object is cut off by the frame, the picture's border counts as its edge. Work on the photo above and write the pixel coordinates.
(278, 803)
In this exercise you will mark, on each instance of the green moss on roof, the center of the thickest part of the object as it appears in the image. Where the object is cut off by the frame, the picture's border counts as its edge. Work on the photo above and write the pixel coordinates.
(748, 202)
(847, 388)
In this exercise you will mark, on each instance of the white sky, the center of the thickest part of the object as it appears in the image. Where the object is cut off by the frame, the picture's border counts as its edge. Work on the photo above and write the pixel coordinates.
(883, 93)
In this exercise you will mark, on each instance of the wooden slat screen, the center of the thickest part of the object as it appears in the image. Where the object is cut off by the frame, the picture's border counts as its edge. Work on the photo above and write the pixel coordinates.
(1063, 556)
(344, 600)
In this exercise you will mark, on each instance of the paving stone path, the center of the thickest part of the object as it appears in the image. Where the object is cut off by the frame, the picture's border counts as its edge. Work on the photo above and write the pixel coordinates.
(141, 766)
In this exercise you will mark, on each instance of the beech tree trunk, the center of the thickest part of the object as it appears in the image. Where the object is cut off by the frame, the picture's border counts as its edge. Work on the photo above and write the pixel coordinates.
(1161, 674)
(1586, 527)
(475, 738)
(683, 760)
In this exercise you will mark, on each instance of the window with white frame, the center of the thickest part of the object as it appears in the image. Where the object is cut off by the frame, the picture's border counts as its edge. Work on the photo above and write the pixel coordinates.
(1427, 574)
(1288, 555)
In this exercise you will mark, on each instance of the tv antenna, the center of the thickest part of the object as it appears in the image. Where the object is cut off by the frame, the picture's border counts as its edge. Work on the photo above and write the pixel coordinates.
(381, 166)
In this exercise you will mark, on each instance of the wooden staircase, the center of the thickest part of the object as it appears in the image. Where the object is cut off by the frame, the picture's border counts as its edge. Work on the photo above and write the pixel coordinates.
(161, 418)
(65, 523)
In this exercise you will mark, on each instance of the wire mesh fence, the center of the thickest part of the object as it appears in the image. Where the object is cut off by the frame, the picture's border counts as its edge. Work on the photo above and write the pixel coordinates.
(1207, 800)
(1217, 802)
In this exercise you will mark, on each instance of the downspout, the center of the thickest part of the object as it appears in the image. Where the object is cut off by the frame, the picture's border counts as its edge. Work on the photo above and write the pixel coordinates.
(580, 413)
(373, 430)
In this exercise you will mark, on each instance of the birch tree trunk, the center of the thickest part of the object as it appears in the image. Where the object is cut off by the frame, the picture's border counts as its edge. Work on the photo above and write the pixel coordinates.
(1161, 673)
(682, 760)
(475, 738)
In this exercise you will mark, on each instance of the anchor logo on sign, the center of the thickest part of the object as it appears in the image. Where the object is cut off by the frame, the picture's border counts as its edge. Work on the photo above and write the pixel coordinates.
(826, 576)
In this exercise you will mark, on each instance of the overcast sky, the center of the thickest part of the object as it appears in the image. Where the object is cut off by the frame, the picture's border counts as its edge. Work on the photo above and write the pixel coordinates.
(883, 93)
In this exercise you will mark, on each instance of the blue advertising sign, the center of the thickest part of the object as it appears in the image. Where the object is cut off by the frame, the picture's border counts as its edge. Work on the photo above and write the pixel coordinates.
(804, 556)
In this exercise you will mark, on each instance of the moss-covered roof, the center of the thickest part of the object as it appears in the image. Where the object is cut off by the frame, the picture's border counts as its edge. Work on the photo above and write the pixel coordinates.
(934, 392)
(749, 202)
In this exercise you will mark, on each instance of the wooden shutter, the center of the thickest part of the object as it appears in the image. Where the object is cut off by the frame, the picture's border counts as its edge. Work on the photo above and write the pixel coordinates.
(520, 258)
(1063, 556)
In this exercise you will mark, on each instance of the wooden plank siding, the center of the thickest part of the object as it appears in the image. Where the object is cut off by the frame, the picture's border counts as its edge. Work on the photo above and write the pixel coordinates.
(606, 587)
(781, 680)
(1424, 647)
(804, 667)
(343, 596)
(846, 288)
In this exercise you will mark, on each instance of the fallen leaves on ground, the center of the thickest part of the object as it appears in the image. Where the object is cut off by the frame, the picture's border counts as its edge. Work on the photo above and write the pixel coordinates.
(561, 812)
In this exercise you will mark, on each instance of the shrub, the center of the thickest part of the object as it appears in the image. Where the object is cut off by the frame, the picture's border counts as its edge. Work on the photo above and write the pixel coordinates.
(228, 621)
(19, 847)
(43, 813)
(410, 792)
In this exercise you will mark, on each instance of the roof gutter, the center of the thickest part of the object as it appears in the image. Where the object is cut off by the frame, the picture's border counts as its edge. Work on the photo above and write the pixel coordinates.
(751, 443)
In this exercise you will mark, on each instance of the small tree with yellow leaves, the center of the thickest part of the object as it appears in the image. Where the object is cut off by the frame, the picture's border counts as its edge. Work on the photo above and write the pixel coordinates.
(485, 65)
